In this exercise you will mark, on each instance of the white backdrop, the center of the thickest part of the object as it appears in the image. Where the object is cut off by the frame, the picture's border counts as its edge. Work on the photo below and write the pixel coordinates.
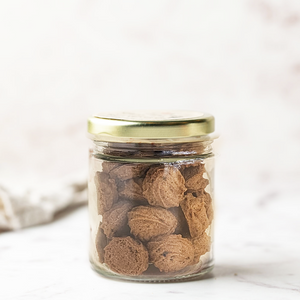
(61, 61)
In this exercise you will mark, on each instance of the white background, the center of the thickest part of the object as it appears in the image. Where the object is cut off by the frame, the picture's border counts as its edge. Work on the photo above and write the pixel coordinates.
(61, 61)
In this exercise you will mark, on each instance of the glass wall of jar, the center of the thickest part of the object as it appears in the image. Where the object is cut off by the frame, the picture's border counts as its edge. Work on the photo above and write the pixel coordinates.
(151, 194)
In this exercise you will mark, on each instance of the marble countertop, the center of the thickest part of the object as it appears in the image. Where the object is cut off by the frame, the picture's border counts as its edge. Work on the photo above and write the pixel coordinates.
(256, 248)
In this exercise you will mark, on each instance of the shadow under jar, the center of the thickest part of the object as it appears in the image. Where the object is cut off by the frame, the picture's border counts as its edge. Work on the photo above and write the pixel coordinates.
(151, 194)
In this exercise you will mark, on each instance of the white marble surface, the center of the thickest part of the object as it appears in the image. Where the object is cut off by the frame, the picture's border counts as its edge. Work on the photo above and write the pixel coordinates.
(257, 257)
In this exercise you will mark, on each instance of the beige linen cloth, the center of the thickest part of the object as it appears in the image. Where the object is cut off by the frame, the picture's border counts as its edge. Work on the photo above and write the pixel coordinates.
(37, 206)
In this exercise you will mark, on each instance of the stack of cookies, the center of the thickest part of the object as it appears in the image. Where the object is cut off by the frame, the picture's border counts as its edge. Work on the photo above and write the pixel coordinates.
(152, 214)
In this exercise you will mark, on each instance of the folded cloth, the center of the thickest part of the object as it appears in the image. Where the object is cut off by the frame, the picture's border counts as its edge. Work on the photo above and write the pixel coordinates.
(37, 206)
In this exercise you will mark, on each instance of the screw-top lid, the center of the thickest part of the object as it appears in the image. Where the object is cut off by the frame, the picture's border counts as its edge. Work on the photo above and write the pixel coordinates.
(150, 125)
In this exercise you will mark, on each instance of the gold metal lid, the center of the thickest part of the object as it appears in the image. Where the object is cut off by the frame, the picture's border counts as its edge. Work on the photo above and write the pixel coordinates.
(150, 125)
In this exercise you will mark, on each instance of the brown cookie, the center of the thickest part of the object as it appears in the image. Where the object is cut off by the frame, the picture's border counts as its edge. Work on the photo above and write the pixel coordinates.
(147, 222)
(190, 169)
(201, 246)
(208, 206)
(170, 253)
(182, 226)
(191, 148)
(101, 241)
(107, 166)
(131, 189)
(164, 186)
(126, 256)
(115, 220)
(128, 171)
(208, 203)
(107, 192)
(197, 182)
(193, 175)
(195, 214)
(209, 211)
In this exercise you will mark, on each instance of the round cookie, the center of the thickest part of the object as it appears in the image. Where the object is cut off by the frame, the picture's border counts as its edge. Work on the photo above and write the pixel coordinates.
(170, 253)
(147, 222)
(126, 256)
(115, 220)
(164, 186)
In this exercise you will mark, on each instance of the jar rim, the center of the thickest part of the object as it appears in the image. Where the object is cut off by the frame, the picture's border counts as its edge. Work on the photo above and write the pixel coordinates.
(150, 125)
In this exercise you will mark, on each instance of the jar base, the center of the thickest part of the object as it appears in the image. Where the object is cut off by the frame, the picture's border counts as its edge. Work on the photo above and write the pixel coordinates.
(203, 274)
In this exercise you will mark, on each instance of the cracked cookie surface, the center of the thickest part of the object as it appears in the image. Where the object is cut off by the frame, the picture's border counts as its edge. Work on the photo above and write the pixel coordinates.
(147, 222)
(195, 213)
(126, 256)
(170, 253)
(107, 193)
(201, 246)
(164, 186)
(114, 222)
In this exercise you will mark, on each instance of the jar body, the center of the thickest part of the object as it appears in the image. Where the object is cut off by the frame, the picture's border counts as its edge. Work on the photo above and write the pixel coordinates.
(151, 210)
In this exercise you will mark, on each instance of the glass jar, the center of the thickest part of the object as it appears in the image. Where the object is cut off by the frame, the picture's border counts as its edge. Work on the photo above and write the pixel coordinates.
(151, 192)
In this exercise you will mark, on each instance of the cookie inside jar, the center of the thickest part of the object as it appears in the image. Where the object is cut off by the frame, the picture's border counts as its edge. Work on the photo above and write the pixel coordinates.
(160, 215)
